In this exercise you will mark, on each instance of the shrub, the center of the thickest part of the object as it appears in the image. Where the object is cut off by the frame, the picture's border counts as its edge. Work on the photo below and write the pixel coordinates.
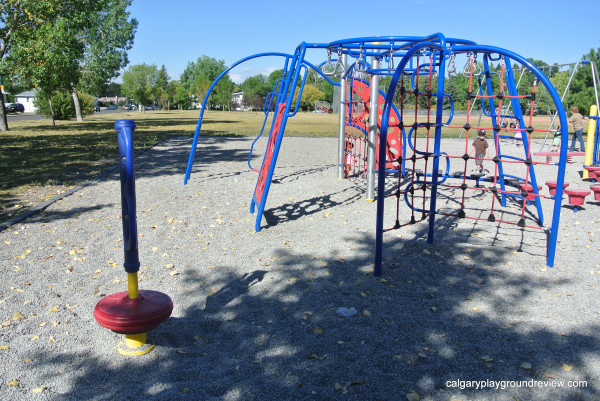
(62, 104)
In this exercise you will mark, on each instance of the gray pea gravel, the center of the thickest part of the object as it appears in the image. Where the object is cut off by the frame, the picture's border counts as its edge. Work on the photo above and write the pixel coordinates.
(255, 314)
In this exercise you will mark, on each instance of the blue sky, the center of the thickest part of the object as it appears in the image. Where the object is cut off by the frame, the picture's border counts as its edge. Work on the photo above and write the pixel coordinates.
(176, 32)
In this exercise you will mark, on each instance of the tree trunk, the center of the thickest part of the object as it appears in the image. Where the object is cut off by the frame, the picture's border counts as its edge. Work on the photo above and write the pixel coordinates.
(51, 110)
(77, 105)
(3, 122)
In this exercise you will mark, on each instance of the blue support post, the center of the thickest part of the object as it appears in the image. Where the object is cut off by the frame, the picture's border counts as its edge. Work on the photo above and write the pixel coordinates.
(125, 129)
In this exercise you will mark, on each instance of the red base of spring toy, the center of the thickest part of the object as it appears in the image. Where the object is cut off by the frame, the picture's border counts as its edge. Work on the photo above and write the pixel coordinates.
(596, 190)
(119, 313)
(529, 188)
(593, 172)
(577, 197)
(552, 186)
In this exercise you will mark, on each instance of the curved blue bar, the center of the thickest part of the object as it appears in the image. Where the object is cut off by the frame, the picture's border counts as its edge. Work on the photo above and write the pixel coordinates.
(208, 93)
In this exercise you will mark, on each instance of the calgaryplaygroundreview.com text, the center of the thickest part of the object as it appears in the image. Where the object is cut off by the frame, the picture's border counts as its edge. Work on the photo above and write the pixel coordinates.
(508, 384)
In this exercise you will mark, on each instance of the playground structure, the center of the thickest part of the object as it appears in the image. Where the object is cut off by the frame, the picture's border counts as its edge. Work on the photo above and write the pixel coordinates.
(399, 133)
(133, 312)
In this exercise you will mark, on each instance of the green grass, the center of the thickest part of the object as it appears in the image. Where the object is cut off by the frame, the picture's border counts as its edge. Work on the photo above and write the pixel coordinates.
(37, 157)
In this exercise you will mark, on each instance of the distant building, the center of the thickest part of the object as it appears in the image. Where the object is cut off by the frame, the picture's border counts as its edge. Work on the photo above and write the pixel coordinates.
(113, 99)
(26, 99)
(237, 101)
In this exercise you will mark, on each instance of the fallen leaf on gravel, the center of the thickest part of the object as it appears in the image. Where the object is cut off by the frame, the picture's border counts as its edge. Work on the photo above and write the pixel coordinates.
(174, 273)
(476, 308)
(566, 367)
(2, 347)
(17, 316)
(12, 383)
(366, 313)
(318, 330)
(413, 396)
(169, 266)
(525, 365)
(53, 310)
(38, 390)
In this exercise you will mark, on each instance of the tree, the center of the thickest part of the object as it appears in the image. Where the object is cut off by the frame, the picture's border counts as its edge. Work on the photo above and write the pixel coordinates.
(29, 31)
(198, 76)
(162, 84)
(107, 40)
(48, 58)
(310, 95)
(140, 82)
(256, 86)
(581, 92)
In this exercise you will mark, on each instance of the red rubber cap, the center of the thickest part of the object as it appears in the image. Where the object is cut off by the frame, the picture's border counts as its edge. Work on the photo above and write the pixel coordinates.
(122, 315)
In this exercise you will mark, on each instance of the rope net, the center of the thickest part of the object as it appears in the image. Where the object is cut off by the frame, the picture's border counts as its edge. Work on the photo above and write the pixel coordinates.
(475, 195)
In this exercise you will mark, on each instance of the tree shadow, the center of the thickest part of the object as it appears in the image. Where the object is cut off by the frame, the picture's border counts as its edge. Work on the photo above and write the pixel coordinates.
(275, 334)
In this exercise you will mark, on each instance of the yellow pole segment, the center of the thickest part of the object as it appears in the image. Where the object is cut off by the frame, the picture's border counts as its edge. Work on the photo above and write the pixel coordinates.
(589, 146)
(135, 340)
(132, 285)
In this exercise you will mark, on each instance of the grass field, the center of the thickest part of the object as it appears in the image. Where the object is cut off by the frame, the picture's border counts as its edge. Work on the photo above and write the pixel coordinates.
(39, 161)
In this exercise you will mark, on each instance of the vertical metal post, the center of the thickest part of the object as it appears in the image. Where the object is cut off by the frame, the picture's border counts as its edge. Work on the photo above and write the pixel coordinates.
(342, 121)
(372, 137)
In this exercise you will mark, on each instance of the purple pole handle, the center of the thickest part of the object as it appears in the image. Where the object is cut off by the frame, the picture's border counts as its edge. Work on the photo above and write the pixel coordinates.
(125, 130)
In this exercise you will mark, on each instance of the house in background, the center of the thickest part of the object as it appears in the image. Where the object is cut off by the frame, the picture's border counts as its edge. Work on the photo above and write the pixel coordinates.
(26, 99)
(237, 101)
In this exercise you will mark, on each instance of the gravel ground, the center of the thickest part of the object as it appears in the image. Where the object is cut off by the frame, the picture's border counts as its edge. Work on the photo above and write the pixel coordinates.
(257, 315)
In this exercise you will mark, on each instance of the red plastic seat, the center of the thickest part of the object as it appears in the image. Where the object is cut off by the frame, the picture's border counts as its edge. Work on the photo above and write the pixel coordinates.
(552, 186)
(577, 196)
(594, 172)
(529, 189)
(596, 190)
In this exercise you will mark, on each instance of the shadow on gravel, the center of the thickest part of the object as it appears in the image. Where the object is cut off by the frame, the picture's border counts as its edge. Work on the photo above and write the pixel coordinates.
(294, 210)
(440, 314)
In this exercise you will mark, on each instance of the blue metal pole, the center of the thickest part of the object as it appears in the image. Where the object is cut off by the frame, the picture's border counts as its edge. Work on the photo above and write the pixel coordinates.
(389, 99)
(436, 150)
(125, 130)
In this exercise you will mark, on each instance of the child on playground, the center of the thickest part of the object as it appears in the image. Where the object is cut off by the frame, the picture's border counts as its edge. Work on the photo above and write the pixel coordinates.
(556, 140)
(480, 149)
(347, 158)
(518, 134)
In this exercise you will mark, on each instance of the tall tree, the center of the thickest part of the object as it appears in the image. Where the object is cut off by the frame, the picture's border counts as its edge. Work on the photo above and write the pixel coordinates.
(20, 21)
(48, 56)
(581, 92)
(198, 76)
(162, 84)
(107, 41)
(140, 82)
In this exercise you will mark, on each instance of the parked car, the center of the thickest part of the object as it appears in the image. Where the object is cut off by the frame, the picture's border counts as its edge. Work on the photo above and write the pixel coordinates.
(14, 107)
(112, 107)
(150, 108)
(96, 108)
